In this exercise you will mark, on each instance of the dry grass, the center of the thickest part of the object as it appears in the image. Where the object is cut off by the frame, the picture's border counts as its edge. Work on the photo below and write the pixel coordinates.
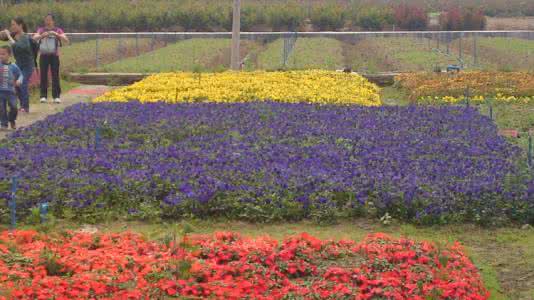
(516, 23)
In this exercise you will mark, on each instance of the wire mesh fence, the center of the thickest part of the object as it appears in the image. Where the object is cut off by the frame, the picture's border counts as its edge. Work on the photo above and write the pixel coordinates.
(368, 52)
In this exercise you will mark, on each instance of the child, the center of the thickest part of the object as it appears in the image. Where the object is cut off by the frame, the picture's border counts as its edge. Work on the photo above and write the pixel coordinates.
(10, 77)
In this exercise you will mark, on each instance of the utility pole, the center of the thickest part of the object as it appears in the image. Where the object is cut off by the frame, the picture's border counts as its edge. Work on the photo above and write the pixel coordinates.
(236, 32)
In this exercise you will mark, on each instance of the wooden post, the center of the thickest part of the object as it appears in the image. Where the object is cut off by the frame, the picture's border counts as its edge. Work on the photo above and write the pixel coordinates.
(236, 30)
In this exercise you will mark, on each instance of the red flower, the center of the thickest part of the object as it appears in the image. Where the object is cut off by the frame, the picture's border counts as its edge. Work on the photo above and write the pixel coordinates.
(227, 266)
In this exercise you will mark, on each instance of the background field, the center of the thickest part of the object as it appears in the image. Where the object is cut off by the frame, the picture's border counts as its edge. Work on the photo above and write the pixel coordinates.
(367, 55)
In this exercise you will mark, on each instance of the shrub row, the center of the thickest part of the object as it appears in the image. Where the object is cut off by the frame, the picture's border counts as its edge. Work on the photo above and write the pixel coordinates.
(203, 15)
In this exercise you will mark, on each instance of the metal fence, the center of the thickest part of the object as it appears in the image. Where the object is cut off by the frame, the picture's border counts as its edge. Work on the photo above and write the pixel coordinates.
(369, 52)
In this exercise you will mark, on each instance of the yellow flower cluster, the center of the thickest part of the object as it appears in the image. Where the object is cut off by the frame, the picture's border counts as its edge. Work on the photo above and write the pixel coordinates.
(507, 87)
(476, 99)
(322, 87)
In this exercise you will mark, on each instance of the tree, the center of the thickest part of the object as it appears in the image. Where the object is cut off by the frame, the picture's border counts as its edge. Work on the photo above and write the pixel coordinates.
(410, 17)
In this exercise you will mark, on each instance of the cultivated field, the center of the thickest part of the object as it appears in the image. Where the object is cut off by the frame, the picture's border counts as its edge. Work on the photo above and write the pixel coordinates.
(370, 55)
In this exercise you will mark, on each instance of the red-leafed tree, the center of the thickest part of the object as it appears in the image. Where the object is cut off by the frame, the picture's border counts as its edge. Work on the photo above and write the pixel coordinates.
(410, 17)
(456, 18)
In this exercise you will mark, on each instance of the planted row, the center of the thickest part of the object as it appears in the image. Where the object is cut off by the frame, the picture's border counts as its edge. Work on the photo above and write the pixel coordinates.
(266, 162)
(437, 88)
(228, 266)
(321, 87)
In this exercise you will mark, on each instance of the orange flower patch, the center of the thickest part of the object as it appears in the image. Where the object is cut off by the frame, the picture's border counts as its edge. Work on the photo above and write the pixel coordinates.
(228, 266)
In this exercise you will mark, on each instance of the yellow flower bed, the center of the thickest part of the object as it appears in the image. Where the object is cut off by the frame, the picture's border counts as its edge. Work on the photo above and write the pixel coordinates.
(322, 87)
(432, 88)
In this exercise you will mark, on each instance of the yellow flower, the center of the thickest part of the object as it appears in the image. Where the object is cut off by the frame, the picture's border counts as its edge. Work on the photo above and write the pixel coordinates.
(321, 87)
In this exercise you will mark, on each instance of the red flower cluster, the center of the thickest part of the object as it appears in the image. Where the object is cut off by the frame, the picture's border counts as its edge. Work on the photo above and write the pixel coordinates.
(227, 266)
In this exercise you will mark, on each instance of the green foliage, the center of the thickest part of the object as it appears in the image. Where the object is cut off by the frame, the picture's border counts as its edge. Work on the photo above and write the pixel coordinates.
(328, 17)
(373, 18)
(157, 15)
(50, 260)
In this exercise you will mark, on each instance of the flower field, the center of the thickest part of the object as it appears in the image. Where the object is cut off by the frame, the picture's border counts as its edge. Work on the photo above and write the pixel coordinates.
(266, 161)
(323, 87)
(431, 88)
(74, 265)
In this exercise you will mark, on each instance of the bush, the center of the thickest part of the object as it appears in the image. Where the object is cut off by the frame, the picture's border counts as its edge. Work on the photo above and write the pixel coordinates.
(328, 17)
(411, 17)
(374, 19)
(474, 19)
(156, 15)
(456, 18)
(285, 17)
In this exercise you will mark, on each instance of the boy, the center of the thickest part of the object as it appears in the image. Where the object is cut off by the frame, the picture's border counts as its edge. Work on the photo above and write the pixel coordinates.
(10, 76)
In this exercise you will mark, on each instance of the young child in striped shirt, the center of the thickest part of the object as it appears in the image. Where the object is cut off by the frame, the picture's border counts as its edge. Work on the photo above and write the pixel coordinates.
(10, 77)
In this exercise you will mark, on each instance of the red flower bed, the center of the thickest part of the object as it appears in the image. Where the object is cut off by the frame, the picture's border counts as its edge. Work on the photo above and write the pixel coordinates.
(227, 266)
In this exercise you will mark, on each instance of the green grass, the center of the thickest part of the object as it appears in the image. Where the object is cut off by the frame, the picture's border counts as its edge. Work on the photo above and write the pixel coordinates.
(181, 56)
(514, 46)
(82, 56)
(513, 116)
(395, 54)
(271, 58)
(308, 53)
(368, 55)
(501, 54)
(507, 53)
(316, 53)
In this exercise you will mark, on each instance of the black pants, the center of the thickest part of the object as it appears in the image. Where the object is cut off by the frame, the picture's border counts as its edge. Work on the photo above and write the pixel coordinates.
(7, 99)
(51, 62)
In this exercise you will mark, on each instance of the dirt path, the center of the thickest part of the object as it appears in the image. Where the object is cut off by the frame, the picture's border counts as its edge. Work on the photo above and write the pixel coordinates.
(40, 111)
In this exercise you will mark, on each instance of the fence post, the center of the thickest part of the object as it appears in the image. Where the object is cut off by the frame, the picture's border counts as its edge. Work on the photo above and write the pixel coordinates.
(13, 202)
(460, 46)
(284, 53)
(236, 36)
(97, 62)
(43, 211)
(137, 44)
(119, 47)
(449, 42)
(475, 50)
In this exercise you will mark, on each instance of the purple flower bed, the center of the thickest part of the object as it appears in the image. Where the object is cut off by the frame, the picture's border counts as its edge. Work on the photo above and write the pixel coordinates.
(267, 161)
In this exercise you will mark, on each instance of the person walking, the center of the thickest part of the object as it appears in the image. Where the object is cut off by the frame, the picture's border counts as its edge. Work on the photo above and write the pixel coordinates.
(50, 38)
(10, 77)
(24, 57)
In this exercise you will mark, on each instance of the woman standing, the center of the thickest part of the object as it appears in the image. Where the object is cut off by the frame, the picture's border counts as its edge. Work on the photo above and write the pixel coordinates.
(50, 38)
(21, 45)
